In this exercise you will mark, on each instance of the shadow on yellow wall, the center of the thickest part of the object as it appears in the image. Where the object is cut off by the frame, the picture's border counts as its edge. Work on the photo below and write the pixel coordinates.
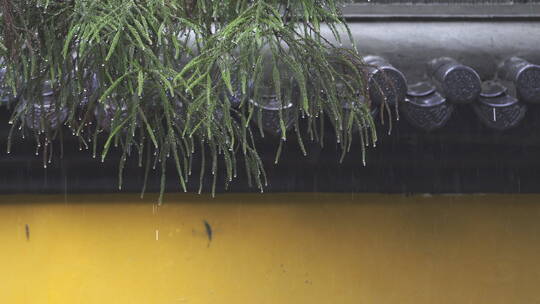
(272, 248)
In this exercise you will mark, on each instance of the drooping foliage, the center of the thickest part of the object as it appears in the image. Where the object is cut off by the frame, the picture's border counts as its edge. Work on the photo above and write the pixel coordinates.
(166, 80)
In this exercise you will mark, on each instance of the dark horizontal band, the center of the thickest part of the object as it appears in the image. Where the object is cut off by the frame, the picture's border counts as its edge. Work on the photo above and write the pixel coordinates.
(400, 12)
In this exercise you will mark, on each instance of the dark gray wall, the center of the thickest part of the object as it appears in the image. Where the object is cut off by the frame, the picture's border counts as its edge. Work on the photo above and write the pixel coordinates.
(447, 1)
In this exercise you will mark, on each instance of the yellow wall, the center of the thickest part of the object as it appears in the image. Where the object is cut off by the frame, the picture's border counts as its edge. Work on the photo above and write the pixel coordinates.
(287, 248)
